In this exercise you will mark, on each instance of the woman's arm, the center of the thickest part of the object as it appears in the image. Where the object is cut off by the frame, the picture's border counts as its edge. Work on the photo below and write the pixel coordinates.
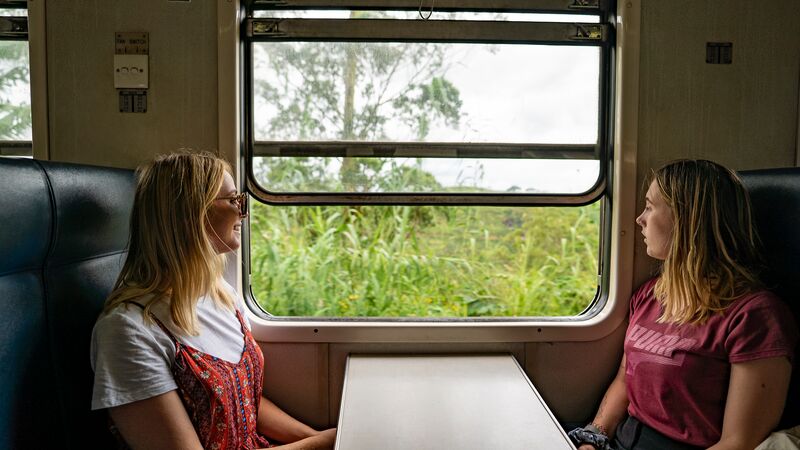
(614, 406)
(756, 396)
(275, 424)
(159, 422)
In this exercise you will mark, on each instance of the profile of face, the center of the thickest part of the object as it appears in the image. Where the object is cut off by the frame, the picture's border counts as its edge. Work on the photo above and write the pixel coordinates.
(656, 223)
(224, 224)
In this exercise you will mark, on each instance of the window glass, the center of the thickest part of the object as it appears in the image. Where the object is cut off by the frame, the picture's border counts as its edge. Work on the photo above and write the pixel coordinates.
(11, 12)
(426, 92)
(15, 92)
(433, 93)
(424, 261)
(495, 175)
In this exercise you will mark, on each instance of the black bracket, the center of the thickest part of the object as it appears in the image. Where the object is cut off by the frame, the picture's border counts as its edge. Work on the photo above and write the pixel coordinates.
(133, 100)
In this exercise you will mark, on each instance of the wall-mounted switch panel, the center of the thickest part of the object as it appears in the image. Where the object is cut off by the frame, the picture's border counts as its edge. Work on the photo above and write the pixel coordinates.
(131, 51)
(130, 71)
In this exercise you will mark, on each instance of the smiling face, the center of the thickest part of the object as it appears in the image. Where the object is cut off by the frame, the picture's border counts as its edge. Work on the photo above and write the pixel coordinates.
(224, 224)
(656, 222)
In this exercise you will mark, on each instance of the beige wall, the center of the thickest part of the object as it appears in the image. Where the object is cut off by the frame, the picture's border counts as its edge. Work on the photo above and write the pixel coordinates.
(743, 115)
(308, 377)
(85, 124)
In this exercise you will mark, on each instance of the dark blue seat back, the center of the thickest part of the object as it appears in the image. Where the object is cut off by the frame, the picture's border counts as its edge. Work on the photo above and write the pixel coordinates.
(63, 239)
(775, 194)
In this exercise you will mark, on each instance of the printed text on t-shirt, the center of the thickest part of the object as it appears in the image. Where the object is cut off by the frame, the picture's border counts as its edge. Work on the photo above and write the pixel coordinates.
(659, 347)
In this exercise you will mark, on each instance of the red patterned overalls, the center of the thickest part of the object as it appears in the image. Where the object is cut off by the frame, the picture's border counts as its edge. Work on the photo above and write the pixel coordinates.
(221, 398)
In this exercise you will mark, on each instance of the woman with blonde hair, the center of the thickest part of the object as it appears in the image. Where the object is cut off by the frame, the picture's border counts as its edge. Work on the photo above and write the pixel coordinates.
(175, 363)
(708, 351)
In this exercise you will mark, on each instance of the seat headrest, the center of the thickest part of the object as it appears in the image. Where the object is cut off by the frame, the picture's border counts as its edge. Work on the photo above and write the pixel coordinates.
(775, 195)
(92, 210)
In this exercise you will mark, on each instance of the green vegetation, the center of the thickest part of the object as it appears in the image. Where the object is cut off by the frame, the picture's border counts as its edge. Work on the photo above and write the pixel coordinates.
(400, 261)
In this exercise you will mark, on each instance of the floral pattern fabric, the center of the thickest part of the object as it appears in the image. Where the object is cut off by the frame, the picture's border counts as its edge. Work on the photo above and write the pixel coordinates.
(221, 398)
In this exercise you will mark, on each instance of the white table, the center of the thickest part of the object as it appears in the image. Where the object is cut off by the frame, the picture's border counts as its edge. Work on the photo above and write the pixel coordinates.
(441, 402)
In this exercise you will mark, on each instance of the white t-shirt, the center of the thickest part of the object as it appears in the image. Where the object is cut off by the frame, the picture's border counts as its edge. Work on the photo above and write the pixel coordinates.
(132, 360)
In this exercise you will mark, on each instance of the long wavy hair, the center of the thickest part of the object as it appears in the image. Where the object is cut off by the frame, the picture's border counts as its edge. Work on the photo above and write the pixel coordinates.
(170, 255)
(714, 257)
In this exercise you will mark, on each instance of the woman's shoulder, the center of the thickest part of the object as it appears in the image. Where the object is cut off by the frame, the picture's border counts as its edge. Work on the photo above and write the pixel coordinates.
(130, 357)
(759, 325)
(123, 330)
(121, 315)
(759, 299)
(763, 309)
(126, 319)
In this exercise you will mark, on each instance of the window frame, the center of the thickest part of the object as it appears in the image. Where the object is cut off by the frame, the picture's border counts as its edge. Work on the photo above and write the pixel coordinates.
(590, 323)
(395, 30)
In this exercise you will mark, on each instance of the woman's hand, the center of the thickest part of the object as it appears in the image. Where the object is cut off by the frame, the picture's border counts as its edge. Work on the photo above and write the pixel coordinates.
(321, 440)
(587, 447)
(275, 424)
(327, 437)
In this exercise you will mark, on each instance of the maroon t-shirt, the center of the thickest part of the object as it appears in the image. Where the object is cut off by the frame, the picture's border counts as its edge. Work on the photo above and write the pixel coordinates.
(677, 375)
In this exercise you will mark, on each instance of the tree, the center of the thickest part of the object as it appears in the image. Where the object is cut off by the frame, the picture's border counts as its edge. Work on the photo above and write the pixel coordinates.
(355, 91)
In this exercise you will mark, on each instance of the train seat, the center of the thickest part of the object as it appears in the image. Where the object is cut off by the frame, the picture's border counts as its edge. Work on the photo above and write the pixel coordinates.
(63, 238)
(775, 195)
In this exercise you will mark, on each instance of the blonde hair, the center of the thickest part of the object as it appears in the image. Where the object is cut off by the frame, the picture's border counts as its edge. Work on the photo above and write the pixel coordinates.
(170, 255)
(714, 254)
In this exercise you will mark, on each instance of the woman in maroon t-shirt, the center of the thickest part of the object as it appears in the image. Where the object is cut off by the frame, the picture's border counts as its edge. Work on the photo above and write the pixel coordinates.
(708, 350)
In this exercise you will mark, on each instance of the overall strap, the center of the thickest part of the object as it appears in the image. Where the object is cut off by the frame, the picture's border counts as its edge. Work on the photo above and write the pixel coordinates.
(245, 328)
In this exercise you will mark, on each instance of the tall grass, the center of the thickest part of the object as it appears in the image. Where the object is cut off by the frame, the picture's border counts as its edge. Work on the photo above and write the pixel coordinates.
(403, 261)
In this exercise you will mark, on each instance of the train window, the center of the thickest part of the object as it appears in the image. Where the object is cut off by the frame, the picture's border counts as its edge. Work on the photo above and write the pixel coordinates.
(15, 93)
(417, 163)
